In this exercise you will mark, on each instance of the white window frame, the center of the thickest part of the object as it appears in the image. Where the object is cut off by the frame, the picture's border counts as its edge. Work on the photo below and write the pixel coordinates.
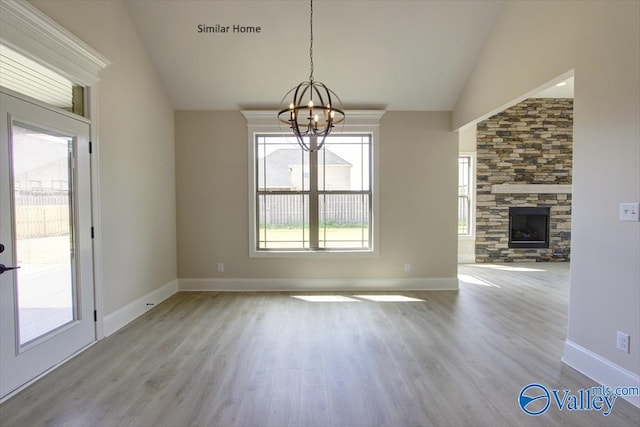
(265, 122)
(472, 199)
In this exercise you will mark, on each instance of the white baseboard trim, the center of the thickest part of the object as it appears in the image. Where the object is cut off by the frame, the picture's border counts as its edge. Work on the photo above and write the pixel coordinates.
(265, 285)
(599, 369)
(121, 317)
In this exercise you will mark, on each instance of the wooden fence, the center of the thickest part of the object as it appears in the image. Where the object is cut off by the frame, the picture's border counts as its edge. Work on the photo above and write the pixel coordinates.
(41, 216)
(290, 209)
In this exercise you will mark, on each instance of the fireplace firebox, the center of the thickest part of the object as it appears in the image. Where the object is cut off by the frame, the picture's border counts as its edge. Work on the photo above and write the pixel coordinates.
(529, 227)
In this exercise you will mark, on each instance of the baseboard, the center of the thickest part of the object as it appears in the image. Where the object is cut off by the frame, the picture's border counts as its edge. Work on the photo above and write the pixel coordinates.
(121, 317)
(599, 369)
(266, 285)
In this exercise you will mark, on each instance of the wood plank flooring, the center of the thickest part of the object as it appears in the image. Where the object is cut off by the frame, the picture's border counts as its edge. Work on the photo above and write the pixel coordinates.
(267, 359)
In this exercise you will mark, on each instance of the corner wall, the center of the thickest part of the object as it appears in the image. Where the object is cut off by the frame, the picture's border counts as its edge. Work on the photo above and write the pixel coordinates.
(600, 40)
(136, 157)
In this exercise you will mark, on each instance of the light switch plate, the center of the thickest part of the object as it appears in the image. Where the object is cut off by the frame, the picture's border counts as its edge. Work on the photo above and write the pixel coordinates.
(629, 211)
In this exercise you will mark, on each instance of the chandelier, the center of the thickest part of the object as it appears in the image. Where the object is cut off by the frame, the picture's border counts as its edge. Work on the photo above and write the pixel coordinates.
(312, 112)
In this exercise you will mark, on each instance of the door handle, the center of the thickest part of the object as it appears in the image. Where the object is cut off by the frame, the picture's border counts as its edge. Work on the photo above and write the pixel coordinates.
(4, 268)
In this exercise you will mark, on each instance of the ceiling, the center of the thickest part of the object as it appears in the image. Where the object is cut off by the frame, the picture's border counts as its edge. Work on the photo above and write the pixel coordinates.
(563, 89)
(388, 54)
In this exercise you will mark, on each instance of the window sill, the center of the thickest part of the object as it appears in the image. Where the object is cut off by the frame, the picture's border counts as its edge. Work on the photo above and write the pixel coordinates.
(314, 254)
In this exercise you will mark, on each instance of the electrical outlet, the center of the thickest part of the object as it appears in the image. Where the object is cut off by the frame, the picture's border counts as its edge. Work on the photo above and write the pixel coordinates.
(622, 342)
(220, 267)
(629, 212)
(407, 268)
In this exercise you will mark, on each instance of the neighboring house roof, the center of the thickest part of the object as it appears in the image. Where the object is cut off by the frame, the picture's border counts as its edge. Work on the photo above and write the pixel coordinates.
(279, 165)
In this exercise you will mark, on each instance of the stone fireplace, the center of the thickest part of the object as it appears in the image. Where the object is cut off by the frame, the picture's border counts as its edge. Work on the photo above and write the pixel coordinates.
(524, 167)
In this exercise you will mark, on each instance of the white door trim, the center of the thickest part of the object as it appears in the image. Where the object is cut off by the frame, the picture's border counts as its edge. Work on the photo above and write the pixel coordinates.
(30, 32)
(21, 360)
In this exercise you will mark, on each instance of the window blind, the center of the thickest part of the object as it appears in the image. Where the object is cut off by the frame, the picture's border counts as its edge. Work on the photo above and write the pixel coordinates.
(25, 76)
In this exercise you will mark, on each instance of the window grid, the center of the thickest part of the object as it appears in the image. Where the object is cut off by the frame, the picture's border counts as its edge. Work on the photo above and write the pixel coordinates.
(285, 194)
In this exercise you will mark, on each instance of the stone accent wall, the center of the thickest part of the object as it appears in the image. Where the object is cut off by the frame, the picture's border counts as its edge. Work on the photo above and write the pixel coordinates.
(529, 143)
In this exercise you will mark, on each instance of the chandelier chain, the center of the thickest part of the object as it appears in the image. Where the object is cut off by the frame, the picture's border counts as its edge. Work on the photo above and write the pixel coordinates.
(311, 41)
(311, 119)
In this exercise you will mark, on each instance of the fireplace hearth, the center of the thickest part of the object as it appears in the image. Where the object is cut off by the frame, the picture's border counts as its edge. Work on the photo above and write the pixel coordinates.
(529, 227)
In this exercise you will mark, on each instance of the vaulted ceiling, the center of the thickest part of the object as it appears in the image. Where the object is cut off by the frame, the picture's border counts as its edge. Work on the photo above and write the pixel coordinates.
(390, 54)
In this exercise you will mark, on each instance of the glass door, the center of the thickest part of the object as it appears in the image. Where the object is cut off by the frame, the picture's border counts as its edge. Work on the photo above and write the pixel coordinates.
(43, 221)
(46, 265)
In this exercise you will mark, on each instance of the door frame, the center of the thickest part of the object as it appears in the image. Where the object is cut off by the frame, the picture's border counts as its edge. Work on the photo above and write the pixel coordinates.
(30, 32)
(64, 341)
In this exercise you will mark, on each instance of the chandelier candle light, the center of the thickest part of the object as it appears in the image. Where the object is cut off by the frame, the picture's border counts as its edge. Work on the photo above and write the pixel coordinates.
(312, 114)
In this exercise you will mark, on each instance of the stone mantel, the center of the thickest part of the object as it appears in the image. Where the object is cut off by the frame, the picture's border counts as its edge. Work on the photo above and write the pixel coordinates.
(531, 189)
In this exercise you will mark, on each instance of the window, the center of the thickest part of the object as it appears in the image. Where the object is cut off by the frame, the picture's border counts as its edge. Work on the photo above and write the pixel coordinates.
(301, 206)
(465, 189)
(28, 77)
(313, 201)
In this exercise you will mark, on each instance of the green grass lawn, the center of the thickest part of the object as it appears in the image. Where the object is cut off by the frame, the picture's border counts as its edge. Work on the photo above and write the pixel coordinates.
(335, 237)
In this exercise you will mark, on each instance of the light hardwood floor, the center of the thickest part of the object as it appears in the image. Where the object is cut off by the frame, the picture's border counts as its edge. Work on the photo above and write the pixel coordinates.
(267, 359)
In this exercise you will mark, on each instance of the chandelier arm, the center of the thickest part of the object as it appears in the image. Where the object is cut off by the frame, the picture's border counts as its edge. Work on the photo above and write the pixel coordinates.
(319, 93)
(302, 144)
(321, 144)
(296, 98)
(324, 106)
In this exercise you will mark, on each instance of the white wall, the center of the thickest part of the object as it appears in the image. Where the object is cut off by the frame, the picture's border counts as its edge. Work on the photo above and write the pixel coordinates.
(136, 153)
(532, 43)
(417, 175)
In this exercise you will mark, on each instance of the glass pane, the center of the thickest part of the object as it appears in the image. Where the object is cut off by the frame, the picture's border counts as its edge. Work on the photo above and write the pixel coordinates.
(281, 164)
(464, 176)
(41, 164)
(284, 193)
(344, 221)
(464, 211)
(344, 163)
(283, 221)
